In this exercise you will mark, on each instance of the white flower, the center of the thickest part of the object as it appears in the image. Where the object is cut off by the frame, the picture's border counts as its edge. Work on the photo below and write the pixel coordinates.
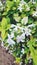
(27, 31)
(31, 25)
(9, 36)
(0, 3)
(34, 14)
(24, 20)
(22, 2)
(12, 35)
(22, 29)
(20, 8)
(10, 30)
(22, 51)
(15, 29)
(10, 51)
(10, 41)
(1, 6)
(20, 38)
(12, 25)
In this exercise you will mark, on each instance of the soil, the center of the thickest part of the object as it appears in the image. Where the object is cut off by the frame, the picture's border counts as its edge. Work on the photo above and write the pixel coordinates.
(6, 58)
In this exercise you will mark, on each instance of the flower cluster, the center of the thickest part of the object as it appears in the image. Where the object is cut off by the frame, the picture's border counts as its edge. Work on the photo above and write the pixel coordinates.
(23, 6)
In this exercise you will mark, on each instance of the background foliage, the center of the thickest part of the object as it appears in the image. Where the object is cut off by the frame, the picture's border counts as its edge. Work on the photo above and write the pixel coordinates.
(18, 26)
